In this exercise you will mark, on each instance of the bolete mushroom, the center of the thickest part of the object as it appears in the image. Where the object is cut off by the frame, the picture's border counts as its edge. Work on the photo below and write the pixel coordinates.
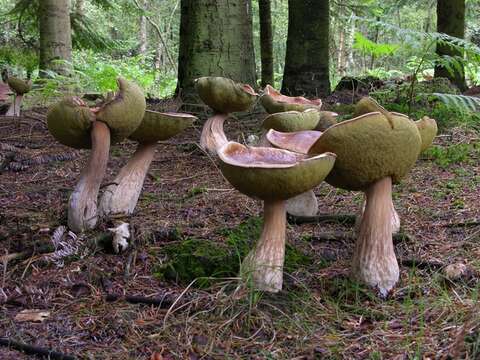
(19, 87)
(224, 96)
(272, 175)
(273, 101)
(373, 151)
(76, 125)
(122, 195)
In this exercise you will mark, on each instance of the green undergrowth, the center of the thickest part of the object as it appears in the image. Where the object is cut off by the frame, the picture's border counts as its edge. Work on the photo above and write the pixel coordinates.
(444, 156)
(205, 260)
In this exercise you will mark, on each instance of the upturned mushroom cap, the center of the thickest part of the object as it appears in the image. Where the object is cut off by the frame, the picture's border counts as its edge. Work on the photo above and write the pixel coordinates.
(291, 121)
(272, 174)
(299, 141)
(70, 121)
(428, 130)
(157, 126)
(275, 102)
(123, 112)
(18, 85)
(368, 148)
(224, 95)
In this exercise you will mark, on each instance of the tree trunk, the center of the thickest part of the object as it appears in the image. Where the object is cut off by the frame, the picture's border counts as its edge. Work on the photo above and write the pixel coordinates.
(266, 42)
(55, 36)
(142, 35)
(451, 21)
(216, 39)
(307, 60)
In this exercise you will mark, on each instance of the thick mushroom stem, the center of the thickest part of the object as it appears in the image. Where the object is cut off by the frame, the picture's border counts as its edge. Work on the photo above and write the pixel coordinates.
(395, 218)
(82, 207)
(14, 109)
(213, 135)
(121, 197)
(264, 264)
(374, 260)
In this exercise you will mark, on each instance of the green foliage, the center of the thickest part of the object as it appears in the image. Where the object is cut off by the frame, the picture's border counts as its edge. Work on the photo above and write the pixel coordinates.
(369, 47)
(203, 260)
(18, 60)
(452, 154)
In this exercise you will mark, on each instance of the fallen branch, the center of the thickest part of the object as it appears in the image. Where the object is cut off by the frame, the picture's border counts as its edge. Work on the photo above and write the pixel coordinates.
(470, 223)
(422, 264)
(351, 237)
(42, 249)
(35, 350)
(344, 219)
(163, 302)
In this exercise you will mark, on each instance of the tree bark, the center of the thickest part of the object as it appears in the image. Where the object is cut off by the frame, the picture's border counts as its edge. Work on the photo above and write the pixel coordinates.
(307, 59)
(142, 35)
(216, 39)
(55, 36)
(451, 21)
(266, 42)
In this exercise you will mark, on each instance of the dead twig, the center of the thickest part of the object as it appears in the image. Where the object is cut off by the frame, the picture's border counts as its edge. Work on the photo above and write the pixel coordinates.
(345, 219)
(35, 350)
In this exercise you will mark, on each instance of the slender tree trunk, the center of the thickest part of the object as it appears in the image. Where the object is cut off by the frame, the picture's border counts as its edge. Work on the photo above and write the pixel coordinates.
(55, 35)
(451, 21)
(307, 59)
(142, 35)
(266, 42)
(341, 64)
(216, 39)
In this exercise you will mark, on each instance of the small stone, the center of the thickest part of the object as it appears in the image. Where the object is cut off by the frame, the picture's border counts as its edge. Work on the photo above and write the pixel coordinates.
(457, 272)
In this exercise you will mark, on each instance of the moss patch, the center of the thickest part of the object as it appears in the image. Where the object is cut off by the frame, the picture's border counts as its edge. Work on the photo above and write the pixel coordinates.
(203, 260)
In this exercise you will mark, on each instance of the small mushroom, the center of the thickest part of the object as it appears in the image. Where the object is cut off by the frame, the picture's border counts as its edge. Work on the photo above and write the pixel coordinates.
(20, 88)
(73, 124)
(224, 96)
(272, 175)
(273, 101)
(122, 195)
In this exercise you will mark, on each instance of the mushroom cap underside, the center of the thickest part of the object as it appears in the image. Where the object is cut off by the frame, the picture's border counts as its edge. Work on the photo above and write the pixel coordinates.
(299, 142)
(273, 102)
(291, 121)
(70, 121)
(272, 174)
(224, 95)
(368, 148)
(428, 130)
(157, 126)
(123, 112)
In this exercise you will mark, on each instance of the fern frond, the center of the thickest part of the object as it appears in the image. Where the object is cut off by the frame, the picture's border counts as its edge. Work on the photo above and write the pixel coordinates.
(462, 102)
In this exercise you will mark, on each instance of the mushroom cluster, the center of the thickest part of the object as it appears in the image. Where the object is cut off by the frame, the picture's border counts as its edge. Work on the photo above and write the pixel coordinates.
(374, 150)
(293, 114)
(74, 124)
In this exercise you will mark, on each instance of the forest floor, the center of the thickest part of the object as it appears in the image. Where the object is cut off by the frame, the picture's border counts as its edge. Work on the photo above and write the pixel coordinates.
(320, 314)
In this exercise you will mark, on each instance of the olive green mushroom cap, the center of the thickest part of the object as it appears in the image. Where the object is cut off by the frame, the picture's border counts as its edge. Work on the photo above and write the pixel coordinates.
(123, 112)
(272, 174)
(369, 148)
(18, 85)
(70, 121)
(367, 105)
(157, 126)
(291, 121)
(224, 95)
(274, 102)
(428, 130)
(327, 119)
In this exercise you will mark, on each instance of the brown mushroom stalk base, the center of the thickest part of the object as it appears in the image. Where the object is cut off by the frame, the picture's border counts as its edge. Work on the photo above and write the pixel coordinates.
(14, 109)
(374, 261)
(122, 196)
(213, 135)
(264, 264)
(82, 207)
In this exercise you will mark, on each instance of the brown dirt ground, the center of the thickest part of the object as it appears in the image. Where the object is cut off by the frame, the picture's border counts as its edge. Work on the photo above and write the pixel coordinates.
(319, 315)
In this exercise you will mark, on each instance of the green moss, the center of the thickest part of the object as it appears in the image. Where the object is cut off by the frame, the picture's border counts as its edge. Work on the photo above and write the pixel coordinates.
(203, 260)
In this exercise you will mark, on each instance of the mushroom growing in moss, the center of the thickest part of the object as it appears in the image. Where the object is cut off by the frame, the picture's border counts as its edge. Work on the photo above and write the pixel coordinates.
(20, 88)
(122, 195)
(272, 175)
(373, 151)
(74, 124)
(224, 96)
